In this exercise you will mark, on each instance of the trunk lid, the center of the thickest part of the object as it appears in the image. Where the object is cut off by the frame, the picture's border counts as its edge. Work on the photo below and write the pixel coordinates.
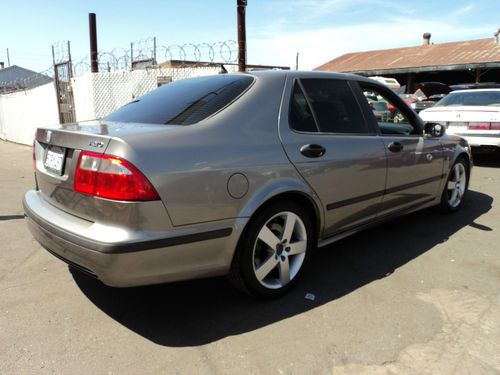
(461, 114)
(57, 151)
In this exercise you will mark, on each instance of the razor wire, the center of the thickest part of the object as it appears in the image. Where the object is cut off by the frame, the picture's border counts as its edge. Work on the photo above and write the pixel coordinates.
(225, 52)
(143, 53)
(128, 73)
(146, 51)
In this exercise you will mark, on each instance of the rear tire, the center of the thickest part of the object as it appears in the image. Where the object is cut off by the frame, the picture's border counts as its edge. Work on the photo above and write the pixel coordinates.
(273, 250)
(456, 187)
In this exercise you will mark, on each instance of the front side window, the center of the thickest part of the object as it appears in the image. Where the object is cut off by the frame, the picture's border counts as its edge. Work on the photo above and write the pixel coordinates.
(388, 114)
(183, 102)
(327, 106)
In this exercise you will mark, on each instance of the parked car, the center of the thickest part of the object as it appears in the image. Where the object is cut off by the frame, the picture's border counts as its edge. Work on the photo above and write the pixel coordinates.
(427, 94)
(480, 85)
(472, 114)
(236, 174)
(380, 110)
(389, 82)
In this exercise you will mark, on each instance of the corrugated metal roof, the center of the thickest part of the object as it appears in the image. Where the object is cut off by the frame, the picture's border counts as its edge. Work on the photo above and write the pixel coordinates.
(470, 52)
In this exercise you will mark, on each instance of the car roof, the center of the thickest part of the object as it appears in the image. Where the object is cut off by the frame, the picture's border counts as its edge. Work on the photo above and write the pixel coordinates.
(474, 90)
(311, 74)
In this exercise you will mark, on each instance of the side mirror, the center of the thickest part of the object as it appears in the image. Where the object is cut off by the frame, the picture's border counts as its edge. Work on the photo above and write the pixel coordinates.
(434, 130)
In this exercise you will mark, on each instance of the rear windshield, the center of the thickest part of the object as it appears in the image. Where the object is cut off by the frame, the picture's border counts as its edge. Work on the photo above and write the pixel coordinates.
(183, 102)
(479, 98)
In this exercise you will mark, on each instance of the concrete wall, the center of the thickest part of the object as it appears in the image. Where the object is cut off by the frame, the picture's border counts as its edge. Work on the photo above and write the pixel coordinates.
(22, 112)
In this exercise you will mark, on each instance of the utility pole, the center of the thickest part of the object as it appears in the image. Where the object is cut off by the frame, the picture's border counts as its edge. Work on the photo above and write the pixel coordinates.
(297, 61)
(94, 67)
(242, 39)
(8, 58)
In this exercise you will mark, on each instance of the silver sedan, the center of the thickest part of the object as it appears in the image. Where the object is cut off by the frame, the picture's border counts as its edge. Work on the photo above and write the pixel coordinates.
(237, 174)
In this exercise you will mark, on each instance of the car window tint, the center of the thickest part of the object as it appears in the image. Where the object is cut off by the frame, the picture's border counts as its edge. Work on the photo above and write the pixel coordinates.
(183, 102)
(301, 118)
(334, 105)
(388, 114)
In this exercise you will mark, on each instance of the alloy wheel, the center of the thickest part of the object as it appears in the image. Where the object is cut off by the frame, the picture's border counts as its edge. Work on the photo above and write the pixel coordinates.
(279, 250)
(457, 184)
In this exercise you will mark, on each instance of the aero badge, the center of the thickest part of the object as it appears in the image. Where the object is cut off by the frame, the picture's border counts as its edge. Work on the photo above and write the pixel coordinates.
(97, 144)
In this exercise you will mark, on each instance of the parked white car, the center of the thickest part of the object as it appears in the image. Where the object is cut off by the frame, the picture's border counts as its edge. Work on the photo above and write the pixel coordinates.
(389, 82)
(471, 114)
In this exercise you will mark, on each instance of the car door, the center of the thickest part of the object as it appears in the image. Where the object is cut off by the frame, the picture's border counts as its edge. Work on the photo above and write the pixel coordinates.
(414, 162)
(328, 140)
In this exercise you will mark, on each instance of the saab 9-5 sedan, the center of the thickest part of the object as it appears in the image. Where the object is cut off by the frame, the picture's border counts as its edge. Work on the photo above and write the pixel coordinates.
(237, 174)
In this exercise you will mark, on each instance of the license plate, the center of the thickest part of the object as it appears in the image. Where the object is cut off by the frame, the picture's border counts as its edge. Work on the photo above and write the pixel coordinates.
(457, 124)
(54, 160)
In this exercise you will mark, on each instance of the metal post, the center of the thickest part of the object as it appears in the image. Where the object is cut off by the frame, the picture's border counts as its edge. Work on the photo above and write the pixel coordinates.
(53, 56)
(478, 75)
(70, 64)
(410, 83)
(154, 50)
(56, 84)
(131, 55)
(297, 61)
(8, 58)
(242, 39)
(94, 66)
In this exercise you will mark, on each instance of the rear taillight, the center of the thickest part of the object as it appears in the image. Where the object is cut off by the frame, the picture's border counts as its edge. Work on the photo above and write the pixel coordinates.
(483, 126)
(111, 177)
(479, 126)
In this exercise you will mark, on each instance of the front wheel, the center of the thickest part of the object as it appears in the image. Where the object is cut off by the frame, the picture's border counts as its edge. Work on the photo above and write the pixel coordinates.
(456, 187)
(273, 251)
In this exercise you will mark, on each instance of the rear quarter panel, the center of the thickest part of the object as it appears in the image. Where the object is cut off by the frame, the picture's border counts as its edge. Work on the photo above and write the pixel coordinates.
(190, 166)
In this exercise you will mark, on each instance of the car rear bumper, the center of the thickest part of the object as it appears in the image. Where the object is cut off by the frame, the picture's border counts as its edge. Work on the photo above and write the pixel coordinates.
(478, 140)
(133, 259)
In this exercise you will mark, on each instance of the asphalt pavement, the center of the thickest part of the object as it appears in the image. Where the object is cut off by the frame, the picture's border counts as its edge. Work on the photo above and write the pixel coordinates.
(418, 295)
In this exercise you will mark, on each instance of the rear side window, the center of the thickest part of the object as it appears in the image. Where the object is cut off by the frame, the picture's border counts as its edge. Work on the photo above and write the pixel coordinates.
(327, 106)
(301, 117)
(183, 102)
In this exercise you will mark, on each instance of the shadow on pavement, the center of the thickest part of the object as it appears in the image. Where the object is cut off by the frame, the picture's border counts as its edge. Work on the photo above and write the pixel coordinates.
(202, 311)
(488, 160)
(11, 217)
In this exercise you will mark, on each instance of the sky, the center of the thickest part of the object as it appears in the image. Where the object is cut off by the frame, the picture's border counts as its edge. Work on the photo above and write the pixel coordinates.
(319, 30)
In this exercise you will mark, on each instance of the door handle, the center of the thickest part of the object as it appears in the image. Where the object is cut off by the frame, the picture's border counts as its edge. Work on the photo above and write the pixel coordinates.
(395, 147)
(312, 151)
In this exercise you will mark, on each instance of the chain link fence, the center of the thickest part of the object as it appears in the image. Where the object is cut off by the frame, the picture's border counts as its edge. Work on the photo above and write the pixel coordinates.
(98, 94)
(124, 73)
